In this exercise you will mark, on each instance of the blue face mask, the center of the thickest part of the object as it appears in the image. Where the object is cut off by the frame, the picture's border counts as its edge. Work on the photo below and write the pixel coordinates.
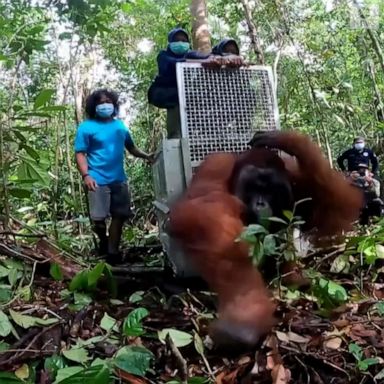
(105, 110)
(179, 47)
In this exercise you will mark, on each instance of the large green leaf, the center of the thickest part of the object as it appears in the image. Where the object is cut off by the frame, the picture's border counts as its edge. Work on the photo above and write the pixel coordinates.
(20, 193)
(98, 374)
(108, 323)
(134, 359)
(5, 294)
(44, 97)
(53, 364)
(136, 297)
(9, 378)
(95, 274)
(54, 108)
(56, 272)
(179, 338)
(31, 151)
(5, 325)
(133, 323)
(78, 355)
(4, 272)
(26, 321)
(30, 170)
(79, 282)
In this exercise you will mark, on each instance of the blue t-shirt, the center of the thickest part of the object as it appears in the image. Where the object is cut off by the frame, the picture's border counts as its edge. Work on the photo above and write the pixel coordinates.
(104, 143)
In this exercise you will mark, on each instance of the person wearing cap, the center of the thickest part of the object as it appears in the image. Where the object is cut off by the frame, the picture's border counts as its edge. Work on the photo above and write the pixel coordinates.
(360, 158)
(364, 179)
(358, 154)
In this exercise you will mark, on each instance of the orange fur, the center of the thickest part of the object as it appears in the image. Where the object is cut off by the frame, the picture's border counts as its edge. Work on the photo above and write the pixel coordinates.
(335, 203)
(207, 221)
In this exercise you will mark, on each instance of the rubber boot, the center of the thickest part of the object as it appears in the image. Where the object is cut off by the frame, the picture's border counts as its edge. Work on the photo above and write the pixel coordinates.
(100, 228)
(115, 230)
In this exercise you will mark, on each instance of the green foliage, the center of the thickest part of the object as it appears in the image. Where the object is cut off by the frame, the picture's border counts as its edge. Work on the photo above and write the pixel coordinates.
(87, 280)
(328, 80)
(329, 294)
(132, 325)
(327, 87)
(5, 325)
(362, 363)
(81, 300)
(262, 243)
(26, 321)
(55, 272)
(380, 308)
(53, 364)
(78, 355)
(134, 359)
(280, 244)
(43, 98)
(136, 297)
(99, 374)
(369, 246)
(108, 323)
(179, 338)
(9, 378)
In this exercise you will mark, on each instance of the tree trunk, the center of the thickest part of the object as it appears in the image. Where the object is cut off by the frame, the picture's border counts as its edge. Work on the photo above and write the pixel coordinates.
(200, 33)
(252, 32)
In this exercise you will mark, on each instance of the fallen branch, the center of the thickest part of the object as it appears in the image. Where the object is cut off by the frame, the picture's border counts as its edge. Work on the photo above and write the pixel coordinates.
(180, 361)
(51, 243)
(137, 269)
(33, 235)
(5, 250)
(35, 334)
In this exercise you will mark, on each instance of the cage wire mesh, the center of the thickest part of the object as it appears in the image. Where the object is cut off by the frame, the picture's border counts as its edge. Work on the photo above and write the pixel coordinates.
(221, 109)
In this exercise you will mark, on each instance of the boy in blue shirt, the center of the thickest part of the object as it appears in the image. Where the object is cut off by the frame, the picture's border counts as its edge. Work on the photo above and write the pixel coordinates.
(100, 145)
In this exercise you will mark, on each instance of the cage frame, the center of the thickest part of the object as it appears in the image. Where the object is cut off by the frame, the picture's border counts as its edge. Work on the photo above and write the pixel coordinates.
(181, 84)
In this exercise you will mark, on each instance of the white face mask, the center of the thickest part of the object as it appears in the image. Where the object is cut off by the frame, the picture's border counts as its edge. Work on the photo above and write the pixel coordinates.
(359, 146)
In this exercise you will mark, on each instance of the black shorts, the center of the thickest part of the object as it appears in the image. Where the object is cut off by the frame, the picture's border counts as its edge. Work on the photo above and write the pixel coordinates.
(110, 200)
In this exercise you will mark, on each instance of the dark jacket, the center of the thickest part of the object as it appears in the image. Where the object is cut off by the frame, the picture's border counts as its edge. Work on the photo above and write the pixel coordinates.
(355, 157)
(163, 91)
(166, 62)
(218, 49)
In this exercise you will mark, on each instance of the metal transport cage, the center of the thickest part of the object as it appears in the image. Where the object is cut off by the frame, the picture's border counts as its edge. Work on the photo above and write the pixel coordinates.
(220, 109)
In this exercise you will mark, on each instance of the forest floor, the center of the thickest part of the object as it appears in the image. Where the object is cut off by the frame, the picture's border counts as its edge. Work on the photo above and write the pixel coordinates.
(60, 330)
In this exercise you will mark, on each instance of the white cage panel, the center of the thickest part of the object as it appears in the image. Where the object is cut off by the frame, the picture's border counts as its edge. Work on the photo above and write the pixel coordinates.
(221, 109)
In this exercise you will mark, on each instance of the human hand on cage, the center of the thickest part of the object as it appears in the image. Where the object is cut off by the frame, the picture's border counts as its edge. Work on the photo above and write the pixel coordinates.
(213, 62)
(150, 158)
(230, 61)
(233, 61)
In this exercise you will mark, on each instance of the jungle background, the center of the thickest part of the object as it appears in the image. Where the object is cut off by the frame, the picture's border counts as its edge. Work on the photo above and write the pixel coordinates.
(328, 64)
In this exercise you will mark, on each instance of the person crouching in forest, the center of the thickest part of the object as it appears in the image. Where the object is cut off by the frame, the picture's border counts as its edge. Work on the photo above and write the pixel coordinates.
(100, 145)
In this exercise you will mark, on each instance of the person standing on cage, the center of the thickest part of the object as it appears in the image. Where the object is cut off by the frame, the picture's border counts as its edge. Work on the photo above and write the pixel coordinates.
(163, 90)
(100, 145)
(225, 53)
